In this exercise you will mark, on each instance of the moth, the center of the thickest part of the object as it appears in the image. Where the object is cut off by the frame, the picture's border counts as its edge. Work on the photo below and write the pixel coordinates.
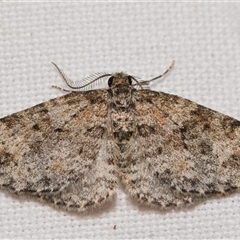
(73, 150)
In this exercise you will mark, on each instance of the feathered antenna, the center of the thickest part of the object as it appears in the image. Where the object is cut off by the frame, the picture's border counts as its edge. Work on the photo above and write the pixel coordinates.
(92, 80)
(146, 82)
(84, 84)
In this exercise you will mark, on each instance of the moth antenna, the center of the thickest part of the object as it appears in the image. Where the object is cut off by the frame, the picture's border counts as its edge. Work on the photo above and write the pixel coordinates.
(137, 82)
(65, 78)
(61, 89)
(80, 84)
(146, 82)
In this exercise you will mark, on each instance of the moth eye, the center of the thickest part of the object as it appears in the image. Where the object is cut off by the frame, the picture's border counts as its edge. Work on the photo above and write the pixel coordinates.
(130, 80)
(110, 81)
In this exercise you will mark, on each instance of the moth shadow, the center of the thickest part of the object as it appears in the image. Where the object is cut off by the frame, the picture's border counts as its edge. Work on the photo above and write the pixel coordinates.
(109, 206)
(185, 208)
(93, 212)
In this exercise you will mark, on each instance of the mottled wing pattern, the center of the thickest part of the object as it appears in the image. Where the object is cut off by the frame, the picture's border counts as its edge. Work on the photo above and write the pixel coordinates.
(182, 152)
(59, 151)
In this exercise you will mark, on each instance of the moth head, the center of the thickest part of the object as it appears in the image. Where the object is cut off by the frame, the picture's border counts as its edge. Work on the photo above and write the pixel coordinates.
(120, 87)
(119, 79)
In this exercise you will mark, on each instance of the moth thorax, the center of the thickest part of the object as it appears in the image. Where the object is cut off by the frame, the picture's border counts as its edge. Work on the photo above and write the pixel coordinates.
(122, 95)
